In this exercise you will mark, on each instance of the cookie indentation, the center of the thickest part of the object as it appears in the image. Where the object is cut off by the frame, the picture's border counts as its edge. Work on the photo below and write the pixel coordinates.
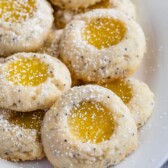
(104, 32)
(17, 10)
(29, 120)
(27, 72)
(91, 122)
(122, 89)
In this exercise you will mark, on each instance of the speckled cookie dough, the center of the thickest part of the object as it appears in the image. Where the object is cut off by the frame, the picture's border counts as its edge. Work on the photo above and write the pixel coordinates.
(89, 126)
(24, 25)
(31, 81)
(137, 96)
(20, 135)
(51, 45)
(102, 45)
(64, 16)
(73, 4)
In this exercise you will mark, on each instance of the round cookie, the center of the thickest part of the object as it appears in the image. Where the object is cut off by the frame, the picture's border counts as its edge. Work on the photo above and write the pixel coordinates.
(20, 135)
(102, 45)
(25, 25)
(88, 126)
(64, 16)
(137, 96)
(51, 45)
(31, 81)
(73, 4)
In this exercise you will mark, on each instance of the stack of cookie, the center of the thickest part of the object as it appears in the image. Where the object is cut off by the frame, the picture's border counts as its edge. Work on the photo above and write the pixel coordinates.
(30, 82)
(43, 45)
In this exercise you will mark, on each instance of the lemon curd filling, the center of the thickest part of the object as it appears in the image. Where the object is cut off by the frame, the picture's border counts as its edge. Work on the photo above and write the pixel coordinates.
(27, 72)
(16, 10)
(91, 122)
(29, 120)
(104, 32)
(122, 89)
(101, 4)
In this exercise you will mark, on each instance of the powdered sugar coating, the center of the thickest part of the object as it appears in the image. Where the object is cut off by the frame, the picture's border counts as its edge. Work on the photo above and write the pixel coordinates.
(73, 4)
(64, 150)
(142, 103)
(18, 143)
(30, 98)
(64, 16)
(29, 34)
(90, 64)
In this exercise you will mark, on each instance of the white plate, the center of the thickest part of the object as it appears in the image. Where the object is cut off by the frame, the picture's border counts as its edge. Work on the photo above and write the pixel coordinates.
(153, 138)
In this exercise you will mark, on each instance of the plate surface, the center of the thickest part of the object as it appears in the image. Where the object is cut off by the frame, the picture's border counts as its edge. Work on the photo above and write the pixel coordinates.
(153, 138)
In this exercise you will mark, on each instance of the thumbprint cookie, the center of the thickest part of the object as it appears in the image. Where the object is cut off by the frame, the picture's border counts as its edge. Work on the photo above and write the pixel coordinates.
(89, 126)
(20, 135)
(102, 45)
(64, 16)
(24, 25)
(137, 96)
(31, 81)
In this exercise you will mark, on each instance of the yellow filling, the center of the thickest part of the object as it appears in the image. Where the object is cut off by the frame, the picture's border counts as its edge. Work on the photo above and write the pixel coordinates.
(27, 72)
(122, 89)
(104, 32)
(101, 4)
(16, 10)
(91, 122)
(28, 120)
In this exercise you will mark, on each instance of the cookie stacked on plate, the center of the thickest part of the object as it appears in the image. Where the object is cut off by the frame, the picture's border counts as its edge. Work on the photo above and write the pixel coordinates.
(99, 45)
(30, 82)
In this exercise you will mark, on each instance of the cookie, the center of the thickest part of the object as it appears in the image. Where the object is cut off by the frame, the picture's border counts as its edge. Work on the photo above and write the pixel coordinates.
(31, 81)
(20, 135)
(89, 126)
(137, 96)
(51, 45)
(64, 16)
(73, 4)
(25, 25)
(102, 45)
